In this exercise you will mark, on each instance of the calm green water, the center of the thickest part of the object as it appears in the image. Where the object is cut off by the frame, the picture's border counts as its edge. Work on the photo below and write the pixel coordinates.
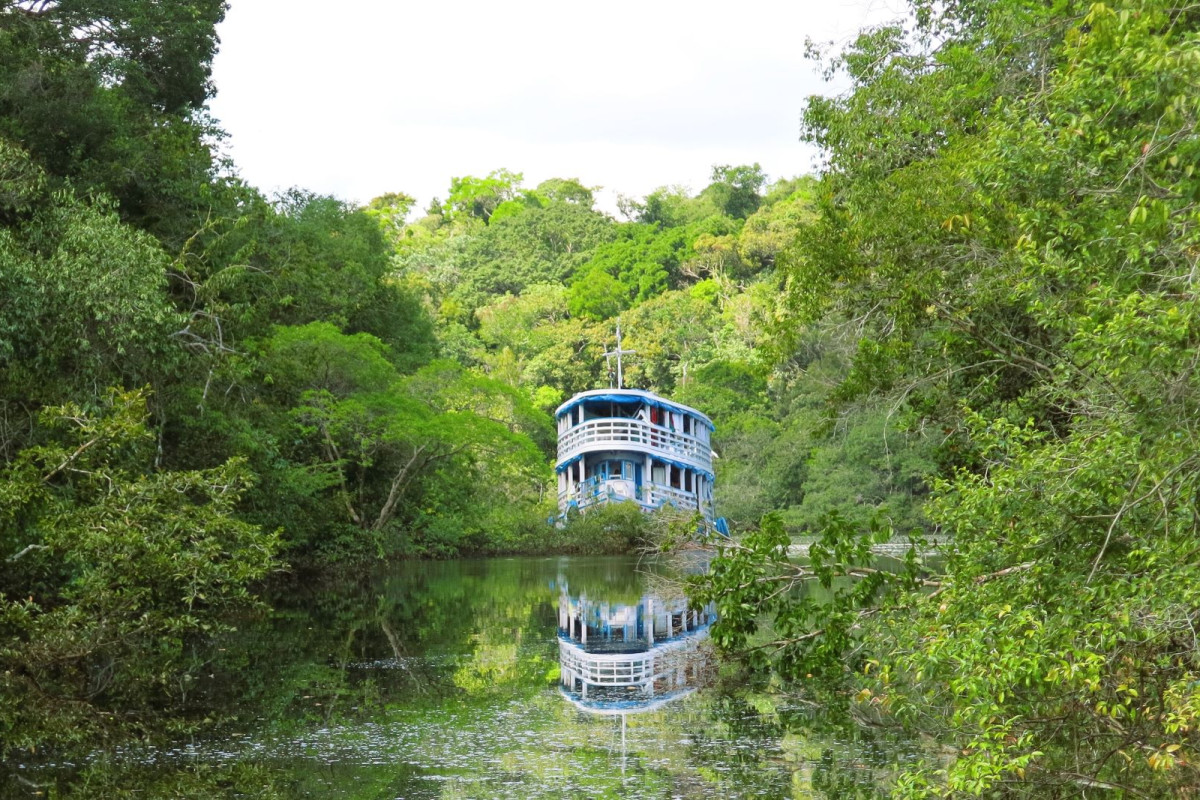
(441, 680)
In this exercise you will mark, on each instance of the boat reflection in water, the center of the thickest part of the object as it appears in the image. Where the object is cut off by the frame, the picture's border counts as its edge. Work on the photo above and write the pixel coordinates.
(616, 658)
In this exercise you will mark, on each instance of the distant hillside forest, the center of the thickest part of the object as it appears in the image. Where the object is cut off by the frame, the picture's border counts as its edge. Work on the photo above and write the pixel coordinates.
(978, 325)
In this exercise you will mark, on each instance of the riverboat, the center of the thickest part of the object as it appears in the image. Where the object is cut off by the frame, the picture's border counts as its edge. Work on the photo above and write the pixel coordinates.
(631, 445)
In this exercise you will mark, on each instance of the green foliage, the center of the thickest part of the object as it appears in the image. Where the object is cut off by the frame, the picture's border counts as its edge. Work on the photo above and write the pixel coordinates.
(1009, 219)
(872, 471)
(673, 207)
(514, 321)
(640, 263)
(567, 190)
(107, 94)
(390, 464)
(319, 357)
(597, 295)
(464, 267)
(157, 55)
(789, 206)
(391, 211)
(669, 332)
(84, 298)
(478, 198)
(815, 608)
(727, 388)
(111, 569)
(735, 191)
(608, 528)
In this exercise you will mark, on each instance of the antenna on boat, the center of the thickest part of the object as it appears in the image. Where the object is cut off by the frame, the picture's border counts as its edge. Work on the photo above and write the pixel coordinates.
(618, 353)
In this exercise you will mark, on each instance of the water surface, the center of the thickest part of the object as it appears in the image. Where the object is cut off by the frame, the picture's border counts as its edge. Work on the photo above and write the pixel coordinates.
(442, 680)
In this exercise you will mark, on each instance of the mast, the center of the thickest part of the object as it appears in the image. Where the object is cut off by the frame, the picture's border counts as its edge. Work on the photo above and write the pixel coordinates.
(618, 353)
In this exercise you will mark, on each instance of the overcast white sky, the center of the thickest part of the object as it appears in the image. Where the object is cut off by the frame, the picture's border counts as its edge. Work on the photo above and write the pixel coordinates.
(358, 99)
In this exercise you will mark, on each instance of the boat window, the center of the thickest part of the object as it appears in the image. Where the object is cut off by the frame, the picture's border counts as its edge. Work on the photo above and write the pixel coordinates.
(612, 470)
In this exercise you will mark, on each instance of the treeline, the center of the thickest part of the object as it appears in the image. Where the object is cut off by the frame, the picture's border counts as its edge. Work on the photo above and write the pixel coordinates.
(1008, 221)
(528, 285)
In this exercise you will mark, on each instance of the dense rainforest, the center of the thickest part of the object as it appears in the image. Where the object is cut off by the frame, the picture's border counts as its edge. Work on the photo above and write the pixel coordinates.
(977, 327)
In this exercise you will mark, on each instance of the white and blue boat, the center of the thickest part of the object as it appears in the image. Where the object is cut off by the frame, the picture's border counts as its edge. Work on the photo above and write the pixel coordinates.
(630, 445)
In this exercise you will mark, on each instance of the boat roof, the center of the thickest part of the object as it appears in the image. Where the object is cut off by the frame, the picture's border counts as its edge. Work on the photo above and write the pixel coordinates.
(631, 396)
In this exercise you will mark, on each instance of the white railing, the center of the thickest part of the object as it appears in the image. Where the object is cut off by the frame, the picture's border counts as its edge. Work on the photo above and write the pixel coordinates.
(651, 495)
(627, 669)
(657, 494)
(597, 669)
(620, 433)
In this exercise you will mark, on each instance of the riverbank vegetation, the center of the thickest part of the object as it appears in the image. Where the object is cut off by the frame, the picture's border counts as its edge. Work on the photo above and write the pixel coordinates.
(1008, 221)
(978, 326)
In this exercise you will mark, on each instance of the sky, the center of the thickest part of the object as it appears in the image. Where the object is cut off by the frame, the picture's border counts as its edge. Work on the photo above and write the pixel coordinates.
(376, 96)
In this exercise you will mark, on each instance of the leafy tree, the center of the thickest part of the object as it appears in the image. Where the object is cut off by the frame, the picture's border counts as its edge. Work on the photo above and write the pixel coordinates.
(641, 261)
(669, 332)
(674, 207)
(513, 321)
(571, 359)
(84, 299)
(478, 198)
(1006, 218)
(597, 295)
(108, 95)
(111, 569)
(303, 259)
(387, 462)
(391, 211)
(736, 191)
(159, 55)
(788, 206)
(567, 190)
(537, 246)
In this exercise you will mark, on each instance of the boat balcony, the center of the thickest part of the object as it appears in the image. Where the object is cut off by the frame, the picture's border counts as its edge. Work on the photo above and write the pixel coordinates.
(616, 682)
(623, 433)
(595, 491)
(641, 668)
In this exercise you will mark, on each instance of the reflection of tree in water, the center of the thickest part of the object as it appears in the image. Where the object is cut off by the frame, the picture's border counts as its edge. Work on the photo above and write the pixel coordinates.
(820, 746)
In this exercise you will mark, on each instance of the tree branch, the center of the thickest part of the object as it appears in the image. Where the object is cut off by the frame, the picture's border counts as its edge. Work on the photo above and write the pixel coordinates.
(28, 549)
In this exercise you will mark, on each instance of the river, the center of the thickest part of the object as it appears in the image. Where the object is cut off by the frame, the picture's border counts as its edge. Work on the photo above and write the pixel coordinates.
(442, 680)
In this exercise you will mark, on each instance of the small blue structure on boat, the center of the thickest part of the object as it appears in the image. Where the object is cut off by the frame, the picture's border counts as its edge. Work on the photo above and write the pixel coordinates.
(629, 445)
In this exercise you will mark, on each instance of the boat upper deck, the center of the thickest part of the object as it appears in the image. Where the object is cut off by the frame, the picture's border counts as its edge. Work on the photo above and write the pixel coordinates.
(634, 420)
